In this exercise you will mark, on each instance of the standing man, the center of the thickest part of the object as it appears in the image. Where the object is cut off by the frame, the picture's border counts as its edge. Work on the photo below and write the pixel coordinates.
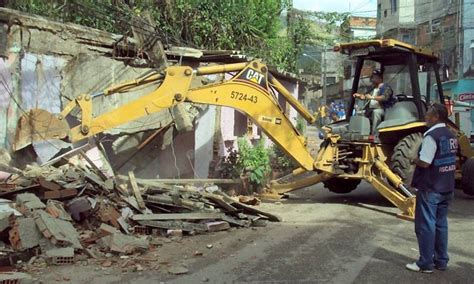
(323, 114)
(434, 181)
(381, 98)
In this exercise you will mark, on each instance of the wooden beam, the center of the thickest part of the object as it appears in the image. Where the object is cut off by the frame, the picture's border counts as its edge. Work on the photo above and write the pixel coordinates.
(178, 216)
(136, 190)
(253, 210)
(157, 182)
(175, 225)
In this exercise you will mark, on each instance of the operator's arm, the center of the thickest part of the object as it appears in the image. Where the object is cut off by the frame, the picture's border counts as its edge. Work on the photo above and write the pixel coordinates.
(427, 153)
(361, 96)
(384, 95)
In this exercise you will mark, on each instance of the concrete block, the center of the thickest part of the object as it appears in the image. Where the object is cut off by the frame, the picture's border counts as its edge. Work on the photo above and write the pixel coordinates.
(61, 256)
(28, 202)
(24, 234)
(59, 232)
(142, 230)
(15, 277)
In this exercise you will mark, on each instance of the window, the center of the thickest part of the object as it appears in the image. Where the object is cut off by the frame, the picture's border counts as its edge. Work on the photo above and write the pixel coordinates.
(393, 4)
(330, 80)
(379, 11)
(385, 13)
(435, 25)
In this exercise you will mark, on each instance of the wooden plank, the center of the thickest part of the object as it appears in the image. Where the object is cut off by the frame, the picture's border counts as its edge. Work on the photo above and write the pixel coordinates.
(94, 166)
(156, 182)
(178, 216)
(253, 210)
(136, 190)
(236, 222)
(175, 225)
(220, 201)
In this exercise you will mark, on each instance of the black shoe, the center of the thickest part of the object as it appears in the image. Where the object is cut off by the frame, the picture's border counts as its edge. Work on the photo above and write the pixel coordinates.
(441, 268)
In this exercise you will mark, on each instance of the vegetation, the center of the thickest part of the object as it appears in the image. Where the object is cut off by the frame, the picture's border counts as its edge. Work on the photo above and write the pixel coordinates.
(254, 161)
(268, 29)
(279, 160)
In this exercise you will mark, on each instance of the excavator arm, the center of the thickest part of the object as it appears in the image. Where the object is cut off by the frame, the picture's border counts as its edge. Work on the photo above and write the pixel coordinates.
(253, 91)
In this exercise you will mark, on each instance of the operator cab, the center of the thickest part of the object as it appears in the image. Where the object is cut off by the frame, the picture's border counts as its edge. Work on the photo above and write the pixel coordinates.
(410, 73)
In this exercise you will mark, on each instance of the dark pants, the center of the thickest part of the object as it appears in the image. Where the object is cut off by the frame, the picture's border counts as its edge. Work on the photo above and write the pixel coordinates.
(431, 227)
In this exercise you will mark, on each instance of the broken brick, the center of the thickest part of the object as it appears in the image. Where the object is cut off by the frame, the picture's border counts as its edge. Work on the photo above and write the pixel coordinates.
(108, 214)
(105, 230)
(56, 209)
(48, 185)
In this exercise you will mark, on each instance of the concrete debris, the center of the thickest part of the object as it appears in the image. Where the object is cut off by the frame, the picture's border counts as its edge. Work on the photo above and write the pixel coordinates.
(249, 200)
(24, 234)
(63, 215)
(178, 269)
(217, 226)
(106, 230)
(79, 208)
(56, 209)
(59, 232)
(122, 243)
(6, 220)
(16, 277)
(28, 202)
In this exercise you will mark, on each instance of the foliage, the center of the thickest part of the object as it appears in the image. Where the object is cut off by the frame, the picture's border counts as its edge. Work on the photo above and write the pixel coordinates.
(228, 167)
(269, 29)
(279, 160)
(250, 26)
(254, 160)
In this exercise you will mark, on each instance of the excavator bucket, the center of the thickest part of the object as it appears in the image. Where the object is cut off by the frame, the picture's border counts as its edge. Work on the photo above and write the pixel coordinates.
(39, 125)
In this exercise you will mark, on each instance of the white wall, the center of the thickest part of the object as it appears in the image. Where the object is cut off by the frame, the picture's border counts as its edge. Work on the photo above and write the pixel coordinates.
(204, 142)
(468, 27)
(406, 11)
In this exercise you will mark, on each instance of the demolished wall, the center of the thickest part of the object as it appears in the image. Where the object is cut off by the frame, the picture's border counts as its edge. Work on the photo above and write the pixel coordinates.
(44, 64)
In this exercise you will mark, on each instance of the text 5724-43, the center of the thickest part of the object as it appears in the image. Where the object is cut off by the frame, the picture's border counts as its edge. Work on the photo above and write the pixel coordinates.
(243, 97)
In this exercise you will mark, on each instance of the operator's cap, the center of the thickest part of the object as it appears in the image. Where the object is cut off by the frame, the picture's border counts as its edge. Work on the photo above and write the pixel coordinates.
(377, 72)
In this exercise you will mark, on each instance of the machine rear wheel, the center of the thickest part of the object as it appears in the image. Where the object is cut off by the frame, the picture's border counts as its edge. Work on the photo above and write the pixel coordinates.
(340, 185)
(405, 150)
(467, 180)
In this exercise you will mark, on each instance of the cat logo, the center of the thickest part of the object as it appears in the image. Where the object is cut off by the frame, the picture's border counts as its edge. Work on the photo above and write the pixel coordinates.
(254, 76)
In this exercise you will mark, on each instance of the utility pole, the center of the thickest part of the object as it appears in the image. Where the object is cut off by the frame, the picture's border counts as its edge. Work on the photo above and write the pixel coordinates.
(460, 43)
(324, 69)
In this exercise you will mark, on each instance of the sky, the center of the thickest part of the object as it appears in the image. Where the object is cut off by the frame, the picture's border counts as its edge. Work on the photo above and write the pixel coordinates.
(356, 7)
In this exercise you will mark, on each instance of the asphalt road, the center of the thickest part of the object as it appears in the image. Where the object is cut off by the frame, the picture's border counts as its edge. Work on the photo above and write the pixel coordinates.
(325, 238)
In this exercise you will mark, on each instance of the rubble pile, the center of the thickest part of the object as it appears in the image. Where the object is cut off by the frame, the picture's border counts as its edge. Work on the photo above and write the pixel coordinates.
(61, 215)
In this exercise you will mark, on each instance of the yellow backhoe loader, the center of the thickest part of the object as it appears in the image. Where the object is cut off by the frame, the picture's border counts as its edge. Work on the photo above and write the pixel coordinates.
(347, 155)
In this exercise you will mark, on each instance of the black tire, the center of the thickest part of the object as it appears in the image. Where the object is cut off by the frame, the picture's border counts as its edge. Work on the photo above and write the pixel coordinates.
(467, 180)
(405, 150)
(340, 185)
